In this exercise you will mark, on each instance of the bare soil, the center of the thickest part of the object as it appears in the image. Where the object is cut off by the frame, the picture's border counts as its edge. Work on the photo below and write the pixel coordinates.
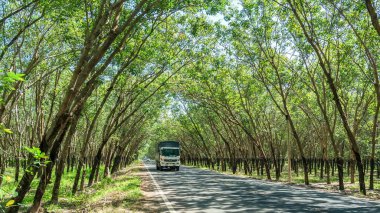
(151, 202)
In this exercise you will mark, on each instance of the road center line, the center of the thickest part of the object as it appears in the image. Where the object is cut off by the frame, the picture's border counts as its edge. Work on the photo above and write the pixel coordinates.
(161, 193)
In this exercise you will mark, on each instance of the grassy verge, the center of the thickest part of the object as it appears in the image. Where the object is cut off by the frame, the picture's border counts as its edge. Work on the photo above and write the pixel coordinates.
(120, 191)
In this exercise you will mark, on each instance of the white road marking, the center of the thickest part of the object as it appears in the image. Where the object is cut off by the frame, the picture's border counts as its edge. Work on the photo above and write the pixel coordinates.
(161, 193)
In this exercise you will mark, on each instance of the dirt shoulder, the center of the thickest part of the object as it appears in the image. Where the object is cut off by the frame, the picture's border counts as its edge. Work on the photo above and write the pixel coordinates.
(130, 190)
(151, 201)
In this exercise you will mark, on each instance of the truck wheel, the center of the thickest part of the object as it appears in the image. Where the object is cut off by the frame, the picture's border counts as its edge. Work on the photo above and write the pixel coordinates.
(160, 168)
(157, 168)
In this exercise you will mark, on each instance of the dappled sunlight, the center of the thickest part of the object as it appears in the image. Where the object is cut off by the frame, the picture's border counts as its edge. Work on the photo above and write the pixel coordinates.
(194, 190)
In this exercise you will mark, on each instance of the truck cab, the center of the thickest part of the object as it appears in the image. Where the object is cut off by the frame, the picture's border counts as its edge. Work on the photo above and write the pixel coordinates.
(168, 155)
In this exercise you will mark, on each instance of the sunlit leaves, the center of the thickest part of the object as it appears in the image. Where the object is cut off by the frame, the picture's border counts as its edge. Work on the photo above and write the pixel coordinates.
(36, 152)
(7, 79)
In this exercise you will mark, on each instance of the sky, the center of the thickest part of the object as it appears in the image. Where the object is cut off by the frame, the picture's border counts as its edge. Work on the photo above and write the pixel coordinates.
(220, 18)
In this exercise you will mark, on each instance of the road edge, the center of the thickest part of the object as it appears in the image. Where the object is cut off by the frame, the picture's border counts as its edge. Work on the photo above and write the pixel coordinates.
(168, 204)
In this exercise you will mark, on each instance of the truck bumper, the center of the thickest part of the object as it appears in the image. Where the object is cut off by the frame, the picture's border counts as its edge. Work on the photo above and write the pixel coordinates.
(169, 165)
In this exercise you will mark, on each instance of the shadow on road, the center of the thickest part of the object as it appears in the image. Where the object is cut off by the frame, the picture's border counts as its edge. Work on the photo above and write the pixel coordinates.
(194, 190)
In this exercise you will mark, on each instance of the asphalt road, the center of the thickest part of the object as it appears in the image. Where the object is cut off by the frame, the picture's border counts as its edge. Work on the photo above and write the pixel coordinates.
(195, 190)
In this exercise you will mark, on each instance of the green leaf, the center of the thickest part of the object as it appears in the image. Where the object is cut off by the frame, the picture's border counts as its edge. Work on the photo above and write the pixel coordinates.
(15, 77)
(8, 131)
(2, 194)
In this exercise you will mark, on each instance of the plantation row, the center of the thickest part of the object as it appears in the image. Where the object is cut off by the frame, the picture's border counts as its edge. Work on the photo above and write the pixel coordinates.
(286, 79)
(82, 83)
(318, 167)
(90, 84)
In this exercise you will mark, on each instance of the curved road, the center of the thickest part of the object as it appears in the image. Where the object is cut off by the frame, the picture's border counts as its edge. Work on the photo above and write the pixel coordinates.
(195, 190)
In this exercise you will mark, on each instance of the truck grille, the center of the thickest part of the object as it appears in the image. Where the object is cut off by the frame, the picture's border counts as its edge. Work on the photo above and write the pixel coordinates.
(170, 160)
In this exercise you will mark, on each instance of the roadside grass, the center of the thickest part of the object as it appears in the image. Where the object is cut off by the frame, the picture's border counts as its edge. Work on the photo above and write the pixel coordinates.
(315, 181)
(122, 191)
(123, 186)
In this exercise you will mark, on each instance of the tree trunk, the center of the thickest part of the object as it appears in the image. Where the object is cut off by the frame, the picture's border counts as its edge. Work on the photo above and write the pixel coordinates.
(84, 170)
(322, 163)
(61, 164)
(96, 163)
(24, 185)
(300, 148)
(97, 173)
(2, 170)
(67, 158)
(17, 169)
(46, 175)
(352, 169)
(77, 177)
(327, 73)
(108, 162)
(328, 180)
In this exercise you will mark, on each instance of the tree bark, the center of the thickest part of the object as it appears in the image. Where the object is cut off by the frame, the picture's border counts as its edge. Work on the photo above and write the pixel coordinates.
(61, 164)
(77, 177)
(372, 13)
(46, 175)
(96, 162)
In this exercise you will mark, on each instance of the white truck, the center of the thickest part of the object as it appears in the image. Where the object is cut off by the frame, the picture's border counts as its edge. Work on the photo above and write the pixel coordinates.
(168, 155)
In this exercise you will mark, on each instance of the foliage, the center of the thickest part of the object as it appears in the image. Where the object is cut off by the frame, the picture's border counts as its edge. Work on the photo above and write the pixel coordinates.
(104, 81)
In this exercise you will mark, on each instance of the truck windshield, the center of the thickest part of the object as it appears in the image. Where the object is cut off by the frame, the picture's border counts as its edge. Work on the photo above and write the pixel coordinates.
(170, 152)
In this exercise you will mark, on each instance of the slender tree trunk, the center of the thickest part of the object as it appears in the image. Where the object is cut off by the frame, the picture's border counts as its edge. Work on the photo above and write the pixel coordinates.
(328, 179)
(373, 14)
(352, 168)
(116, 164)
(67, 158)
(97, 173)
(373, 145)
(46, 175)
(96, 163)
(2, 170)
(61, 164)
(108, 162)
(77, 177)
(24, 185)
(84, 171)
(322, 164)
(117, 160)
(327, 73)
(17, 169)
(300, 148)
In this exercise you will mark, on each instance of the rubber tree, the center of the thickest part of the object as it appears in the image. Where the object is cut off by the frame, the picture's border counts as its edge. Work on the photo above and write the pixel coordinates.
(326, 67)
(85, 74)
